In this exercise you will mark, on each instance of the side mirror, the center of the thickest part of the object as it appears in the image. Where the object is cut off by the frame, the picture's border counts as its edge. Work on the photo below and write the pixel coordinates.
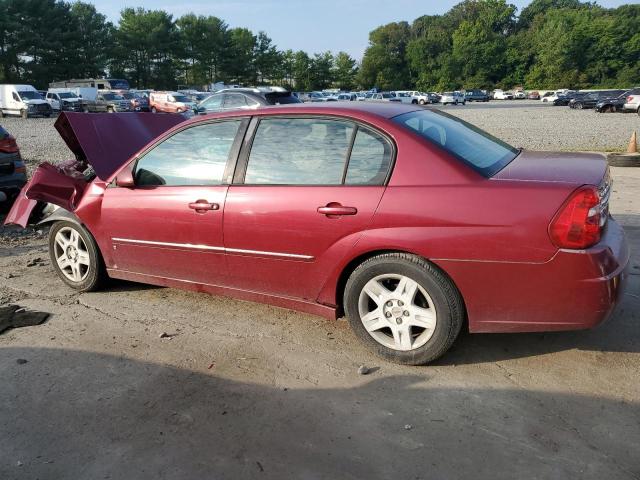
(125, 178)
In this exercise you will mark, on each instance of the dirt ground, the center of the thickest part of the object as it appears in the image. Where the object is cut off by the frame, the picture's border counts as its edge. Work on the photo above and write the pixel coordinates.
(240, 390)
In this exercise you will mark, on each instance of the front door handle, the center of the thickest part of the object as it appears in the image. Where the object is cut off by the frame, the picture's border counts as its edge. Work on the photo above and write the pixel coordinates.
(202, 206)
(335, 209)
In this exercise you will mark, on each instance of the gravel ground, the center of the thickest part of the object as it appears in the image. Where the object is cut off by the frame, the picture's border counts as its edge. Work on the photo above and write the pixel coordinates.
(527, 124)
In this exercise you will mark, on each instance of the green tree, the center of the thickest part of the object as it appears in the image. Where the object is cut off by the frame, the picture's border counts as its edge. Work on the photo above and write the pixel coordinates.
(240, 68)
(147, 47)
(384, 64)
(345, 71)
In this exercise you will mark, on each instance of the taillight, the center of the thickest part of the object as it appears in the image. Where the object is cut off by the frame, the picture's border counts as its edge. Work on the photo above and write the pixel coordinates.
(8, 144)
(629, 99)
(578, 223)
(20, 168)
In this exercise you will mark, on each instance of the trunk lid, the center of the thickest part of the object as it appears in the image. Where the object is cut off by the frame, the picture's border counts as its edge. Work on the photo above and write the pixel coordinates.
(559, 167)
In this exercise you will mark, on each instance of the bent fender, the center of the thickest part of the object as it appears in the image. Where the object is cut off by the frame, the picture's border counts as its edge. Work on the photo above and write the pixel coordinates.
(49, 184)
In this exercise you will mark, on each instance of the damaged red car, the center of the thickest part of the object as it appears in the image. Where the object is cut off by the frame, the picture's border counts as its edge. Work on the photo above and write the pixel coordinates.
(411, 222)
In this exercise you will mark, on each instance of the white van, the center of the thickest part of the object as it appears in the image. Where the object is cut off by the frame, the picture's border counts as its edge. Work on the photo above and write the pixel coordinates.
(23, 100)
(64, 99)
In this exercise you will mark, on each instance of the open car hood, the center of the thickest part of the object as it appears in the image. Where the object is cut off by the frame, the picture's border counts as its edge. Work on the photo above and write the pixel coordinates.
(104, 141)
(107, 140)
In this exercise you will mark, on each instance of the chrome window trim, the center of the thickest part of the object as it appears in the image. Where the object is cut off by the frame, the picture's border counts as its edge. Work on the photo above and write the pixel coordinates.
(212, 248)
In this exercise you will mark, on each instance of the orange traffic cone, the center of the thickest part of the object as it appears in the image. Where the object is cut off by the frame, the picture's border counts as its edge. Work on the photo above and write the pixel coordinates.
(633, 144)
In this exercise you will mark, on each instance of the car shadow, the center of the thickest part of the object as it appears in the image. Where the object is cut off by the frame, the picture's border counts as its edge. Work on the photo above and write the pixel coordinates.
(79, 414)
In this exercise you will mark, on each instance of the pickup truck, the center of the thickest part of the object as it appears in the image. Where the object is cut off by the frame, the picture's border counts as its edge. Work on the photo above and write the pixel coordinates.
(106, 102)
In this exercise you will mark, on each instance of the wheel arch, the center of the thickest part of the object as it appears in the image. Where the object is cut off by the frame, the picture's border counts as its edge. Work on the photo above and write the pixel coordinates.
(352, 264)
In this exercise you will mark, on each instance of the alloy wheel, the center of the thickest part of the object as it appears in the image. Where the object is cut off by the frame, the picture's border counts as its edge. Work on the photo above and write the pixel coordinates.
(72, 255)
(397, 312)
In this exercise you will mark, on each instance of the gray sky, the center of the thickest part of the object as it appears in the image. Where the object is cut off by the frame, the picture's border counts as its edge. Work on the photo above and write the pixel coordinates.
(311, 25)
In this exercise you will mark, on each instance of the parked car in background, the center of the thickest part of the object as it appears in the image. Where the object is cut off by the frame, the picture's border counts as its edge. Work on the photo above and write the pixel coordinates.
(519, 95)
(549, 97)
(106, 101)
(397, 212)
(533, 95)
(346, 97)
(317, 97)
(476, 96)
(590, 100)
(170, 102)
(563, 99)
(245, 98)
(499, 94)
(386, 97)
(615, 104)
(22, 100)
(138, 102)
(404, 96)
(415, 97)
(13, 173)
(454, 98)
(632, 103)
(61, 100)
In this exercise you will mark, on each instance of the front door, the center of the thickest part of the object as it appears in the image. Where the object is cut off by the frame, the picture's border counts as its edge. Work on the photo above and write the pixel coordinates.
(170, 224)
(310, 189)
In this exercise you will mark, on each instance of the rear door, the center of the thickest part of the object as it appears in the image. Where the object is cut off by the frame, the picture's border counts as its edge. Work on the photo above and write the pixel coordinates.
(170, 224)
(304, 190)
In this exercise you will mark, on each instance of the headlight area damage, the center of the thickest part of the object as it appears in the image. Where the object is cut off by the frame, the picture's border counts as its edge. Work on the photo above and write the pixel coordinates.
(101, 144)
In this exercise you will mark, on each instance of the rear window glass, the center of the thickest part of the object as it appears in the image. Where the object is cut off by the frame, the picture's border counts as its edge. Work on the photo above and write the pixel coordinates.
(483, 152)
(275, 99)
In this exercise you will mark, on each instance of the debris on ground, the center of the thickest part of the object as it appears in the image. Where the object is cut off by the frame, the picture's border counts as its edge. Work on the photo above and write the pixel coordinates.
(408, 427)
(168, 335)
(15, 316)
(362, 370)
(36, 262)
(21, 361)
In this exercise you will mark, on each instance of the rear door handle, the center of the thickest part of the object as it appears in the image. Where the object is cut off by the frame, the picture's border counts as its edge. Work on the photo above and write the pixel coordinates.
(202, 206)
(337, 209)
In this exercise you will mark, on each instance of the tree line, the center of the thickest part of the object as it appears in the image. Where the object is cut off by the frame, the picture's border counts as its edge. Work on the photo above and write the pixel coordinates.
(485, 44)
(46, 40)
(477, 44)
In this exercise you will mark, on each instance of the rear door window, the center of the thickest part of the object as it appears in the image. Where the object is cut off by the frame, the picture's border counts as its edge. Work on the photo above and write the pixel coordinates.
(299, 151)
(213, 103)
(234, 100)
(194, 156)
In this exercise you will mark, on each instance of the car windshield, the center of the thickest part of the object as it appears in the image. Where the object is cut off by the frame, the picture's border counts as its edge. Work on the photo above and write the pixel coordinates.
(128, 96)
(387, 95)
(67, 95)
(29, 95)
(112, 96)
(449, 94)
(481, 151)
(181, 98)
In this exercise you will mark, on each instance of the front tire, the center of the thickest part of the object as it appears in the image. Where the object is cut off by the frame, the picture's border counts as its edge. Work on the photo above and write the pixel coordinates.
(403, 308)
(75, 256)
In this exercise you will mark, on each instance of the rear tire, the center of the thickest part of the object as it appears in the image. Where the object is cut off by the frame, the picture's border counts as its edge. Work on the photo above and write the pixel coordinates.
(153, 110)
(417, 313)
(75, 256)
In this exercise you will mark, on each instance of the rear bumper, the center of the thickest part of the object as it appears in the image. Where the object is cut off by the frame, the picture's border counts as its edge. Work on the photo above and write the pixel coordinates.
(576, 289)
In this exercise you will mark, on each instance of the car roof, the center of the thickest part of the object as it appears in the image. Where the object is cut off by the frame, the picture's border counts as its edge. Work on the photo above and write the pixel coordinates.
(382, 109)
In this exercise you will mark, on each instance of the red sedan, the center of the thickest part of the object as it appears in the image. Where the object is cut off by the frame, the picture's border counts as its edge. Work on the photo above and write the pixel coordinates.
(410, 221)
